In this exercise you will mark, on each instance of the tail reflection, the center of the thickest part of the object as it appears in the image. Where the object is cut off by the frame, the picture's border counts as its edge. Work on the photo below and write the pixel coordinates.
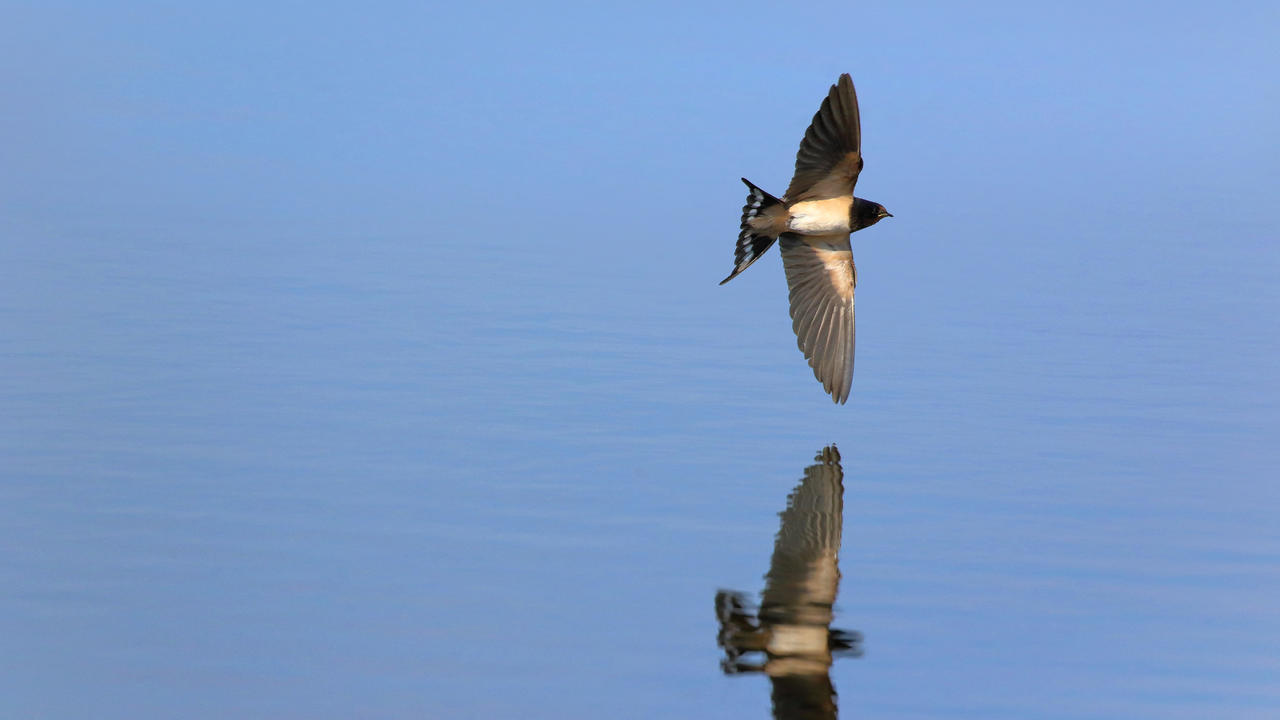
(791, 633)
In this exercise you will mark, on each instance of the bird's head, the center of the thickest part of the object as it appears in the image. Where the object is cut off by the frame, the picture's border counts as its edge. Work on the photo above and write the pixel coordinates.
(868, 213)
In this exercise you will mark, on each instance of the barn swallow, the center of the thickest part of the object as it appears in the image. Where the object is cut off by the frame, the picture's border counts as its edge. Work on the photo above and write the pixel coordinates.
(813, 221)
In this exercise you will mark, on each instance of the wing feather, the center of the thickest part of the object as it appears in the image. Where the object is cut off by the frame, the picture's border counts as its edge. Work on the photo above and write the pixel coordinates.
(820, 275)
(830, 155)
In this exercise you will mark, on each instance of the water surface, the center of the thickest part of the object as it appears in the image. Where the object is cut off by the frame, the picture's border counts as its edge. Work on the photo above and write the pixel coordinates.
(337, 387)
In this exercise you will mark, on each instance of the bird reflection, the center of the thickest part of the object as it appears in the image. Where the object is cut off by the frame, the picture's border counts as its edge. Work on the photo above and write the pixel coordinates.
(789, 638)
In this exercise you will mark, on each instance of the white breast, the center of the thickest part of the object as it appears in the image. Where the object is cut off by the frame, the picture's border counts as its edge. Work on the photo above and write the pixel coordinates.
(820, 217)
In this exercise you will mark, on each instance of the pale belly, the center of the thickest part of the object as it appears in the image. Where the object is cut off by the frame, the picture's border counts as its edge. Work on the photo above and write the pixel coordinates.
(820, 217)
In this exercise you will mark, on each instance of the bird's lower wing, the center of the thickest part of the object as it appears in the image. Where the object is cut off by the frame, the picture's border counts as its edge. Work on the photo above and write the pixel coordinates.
(821, 276)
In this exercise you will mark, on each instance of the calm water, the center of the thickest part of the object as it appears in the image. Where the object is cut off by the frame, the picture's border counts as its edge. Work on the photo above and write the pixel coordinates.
(301, 419)
(294, 479)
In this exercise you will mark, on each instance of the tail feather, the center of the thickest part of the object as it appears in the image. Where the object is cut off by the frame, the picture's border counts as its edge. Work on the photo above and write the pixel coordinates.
(751, 243)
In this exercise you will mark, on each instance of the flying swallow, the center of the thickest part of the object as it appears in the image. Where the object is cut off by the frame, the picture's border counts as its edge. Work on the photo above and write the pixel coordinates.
(813, 221)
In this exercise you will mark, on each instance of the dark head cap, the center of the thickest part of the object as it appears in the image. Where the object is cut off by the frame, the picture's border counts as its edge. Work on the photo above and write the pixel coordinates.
(867, 213)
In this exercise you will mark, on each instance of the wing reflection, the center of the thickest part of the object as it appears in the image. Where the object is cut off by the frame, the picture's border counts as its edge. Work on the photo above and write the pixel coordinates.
(790, 638)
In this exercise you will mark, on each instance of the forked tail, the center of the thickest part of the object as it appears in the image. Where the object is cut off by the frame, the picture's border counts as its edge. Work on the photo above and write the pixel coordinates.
(752, 243)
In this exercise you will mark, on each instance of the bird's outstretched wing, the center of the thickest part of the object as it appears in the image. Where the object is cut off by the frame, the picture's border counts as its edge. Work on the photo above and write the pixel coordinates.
(830, 156)
(822, 276)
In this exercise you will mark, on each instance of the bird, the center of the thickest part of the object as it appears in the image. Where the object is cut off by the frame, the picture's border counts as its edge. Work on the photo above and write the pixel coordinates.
(811, 223)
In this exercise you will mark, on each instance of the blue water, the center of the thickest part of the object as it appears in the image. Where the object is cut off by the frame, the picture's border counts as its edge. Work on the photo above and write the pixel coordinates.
(400, 407)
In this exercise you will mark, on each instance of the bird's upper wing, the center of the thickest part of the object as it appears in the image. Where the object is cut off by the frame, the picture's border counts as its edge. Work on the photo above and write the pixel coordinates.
(830, 156)
(821, 276)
